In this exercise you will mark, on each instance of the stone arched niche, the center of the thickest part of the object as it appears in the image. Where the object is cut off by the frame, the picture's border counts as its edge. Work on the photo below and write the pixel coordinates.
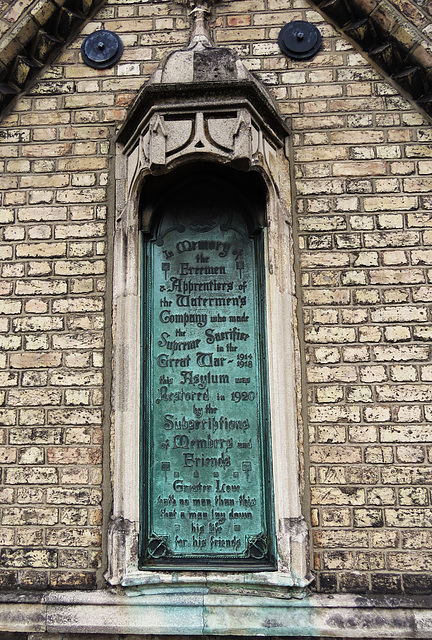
(207, 487)
(221, 136)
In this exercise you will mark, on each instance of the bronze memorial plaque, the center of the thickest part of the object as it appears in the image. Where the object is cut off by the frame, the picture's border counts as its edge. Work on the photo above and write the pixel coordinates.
(207, 479)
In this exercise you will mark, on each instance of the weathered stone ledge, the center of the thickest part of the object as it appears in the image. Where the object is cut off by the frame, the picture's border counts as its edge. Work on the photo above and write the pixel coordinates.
(211, 614)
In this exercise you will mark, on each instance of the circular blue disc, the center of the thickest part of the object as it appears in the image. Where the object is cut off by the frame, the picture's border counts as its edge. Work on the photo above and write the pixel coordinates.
(101, 49)
(299, 39)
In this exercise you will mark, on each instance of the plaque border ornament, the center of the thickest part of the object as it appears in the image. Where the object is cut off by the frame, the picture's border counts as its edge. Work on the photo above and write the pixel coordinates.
(258, 547)
(157, 547)
(202, 105)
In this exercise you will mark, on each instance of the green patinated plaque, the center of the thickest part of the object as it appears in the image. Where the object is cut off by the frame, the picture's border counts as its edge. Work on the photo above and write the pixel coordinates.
(207, 480)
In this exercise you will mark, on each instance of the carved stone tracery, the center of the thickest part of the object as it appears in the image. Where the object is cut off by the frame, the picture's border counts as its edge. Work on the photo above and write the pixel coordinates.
(231, 136)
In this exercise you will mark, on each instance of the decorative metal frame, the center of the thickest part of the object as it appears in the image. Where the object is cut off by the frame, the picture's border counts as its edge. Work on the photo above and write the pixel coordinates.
(260, 552)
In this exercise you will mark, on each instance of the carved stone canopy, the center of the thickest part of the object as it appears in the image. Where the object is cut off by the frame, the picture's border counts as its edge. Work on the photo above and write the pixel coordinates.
(201, 103)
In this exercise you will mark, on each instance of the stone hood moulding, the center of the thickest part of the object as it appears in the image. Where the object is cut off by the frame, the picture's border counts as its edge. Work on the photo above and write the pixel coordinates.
(201, 101)
(203, 106)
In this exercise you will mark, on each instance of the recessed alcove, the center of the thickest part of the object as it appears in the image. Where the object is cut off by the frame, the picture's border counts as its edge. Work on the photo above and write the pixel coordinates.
(207, 488)
(218, 138)
(191, 182)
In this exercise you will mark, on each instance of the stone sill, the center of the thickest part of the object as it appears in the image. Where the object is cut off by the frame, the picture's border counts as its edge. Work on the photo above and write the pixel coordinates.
(286, 584)
(108, 612)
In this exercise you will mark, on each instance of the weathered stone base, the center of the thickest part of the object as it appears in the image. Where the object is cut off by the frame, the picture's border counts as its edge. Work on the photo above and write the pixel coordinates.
(98, 636)
(197, 614)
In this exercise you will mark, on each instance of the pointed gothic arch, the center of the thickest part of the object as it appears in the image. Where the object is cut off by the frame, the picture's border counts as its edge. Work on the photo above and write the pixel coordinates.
(219, 127)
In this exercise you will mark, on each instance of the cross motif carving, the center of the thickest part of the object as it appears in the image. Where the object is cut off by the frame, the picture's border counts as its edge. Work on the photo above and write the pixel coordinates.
(200, 11)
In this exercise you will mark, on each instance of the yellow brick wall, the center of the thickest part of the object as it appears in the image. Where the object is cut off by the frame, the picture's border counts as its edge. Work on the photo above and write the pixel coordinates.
(361, 161)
